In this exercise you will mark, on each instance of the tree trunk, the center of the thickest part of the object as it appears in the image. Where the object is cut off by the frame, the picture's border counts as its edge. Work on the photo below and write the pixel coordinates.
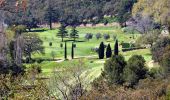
(62, 39)
(29, 29)
(65, 53)
(50, 24)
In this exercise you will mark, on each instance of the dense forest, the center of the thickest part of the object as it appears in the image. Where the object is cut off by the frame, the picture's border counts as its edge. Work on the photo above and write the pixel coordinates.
(119, 49)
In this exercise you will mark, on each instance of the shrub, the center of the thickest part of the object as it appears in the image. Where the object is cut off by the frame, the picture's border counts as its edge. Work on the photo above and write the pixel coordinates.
(61, 45)
(130, 49)
(135, 70)
(106, 36)
(113, 69)
(88, 36)
(53, 54)
(95, 49)
(125, 45)
(50, 44)
(39, 60)
(35, 69)
(98, 36)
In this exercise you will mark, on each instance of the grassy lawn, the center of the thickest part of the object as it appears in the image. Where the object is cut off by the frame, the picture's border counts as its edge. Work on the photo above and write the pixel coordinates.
(83, 49)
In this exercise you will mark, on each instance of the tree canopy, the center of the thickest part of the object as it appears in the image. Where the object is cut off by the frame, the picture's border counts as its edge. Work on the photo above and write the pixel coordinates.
(157, 9)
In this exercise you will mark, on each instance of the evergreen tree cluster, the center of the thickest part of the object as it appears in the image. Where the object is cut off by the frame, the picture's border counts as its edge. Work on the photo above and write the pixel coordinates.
(63, 33)
(101, 51)
(118, 71)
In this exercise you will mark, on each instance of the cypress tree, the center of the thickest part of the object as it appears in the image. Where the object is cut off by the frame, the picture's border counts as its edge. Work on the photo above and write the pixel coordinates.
(72, 51)
(101, 50)
(116, 49)
(65, 53)
(108, 51)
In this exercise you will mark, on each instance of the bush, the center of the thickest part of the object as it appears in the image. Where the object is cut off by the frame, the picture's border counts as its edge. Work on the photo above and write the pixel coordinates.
(35, 68)
(98, 36)
(61, 45)
(125, 45)
(113, 69)
(50, 44)
(95, 49)
(106, 36)
(135, 70)
(88, 36)
(39, 60)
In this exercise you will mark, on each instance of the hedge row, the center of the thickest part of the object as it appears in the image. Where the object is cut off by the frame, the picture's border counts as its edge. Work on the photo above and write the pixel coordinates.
(130, 49)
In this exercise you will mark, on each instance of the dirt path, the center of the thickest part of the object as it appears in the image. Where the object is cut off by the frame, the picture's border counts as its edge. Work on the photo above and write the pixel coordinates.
(78, 57)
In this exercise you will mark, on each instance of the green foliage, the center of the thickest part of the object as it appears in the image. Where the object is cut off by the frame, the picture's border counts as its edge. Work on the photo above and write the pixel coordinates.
(123, 10)
(135, 70)
(50, 44)
(159, 47)
(125, 45)
(19, 29)
(106, 36)
(116, 49)
(165, 60)
(74, 33)
(88, 36)
(35, 68)
(62, 32)
(32, 44)
(11, 49)
(108, 51)
(98, 36)
(113, 69)
(101, 50)
(149, 38)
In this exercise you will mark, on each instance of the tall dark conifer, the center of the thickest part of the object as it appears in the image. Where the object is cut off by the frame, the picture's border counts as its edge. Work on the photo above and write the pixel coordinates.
(108, 51)
(116, 49)
(101, 50)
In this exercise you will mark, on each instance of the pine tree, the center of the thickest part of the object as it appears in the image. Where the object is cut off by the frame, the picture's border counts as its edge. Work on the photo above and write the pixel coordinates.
(65, 52)
(72, 51)
(74, 33)
(116, 49)
(108, 51)
(62, 32)
(101, 51)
